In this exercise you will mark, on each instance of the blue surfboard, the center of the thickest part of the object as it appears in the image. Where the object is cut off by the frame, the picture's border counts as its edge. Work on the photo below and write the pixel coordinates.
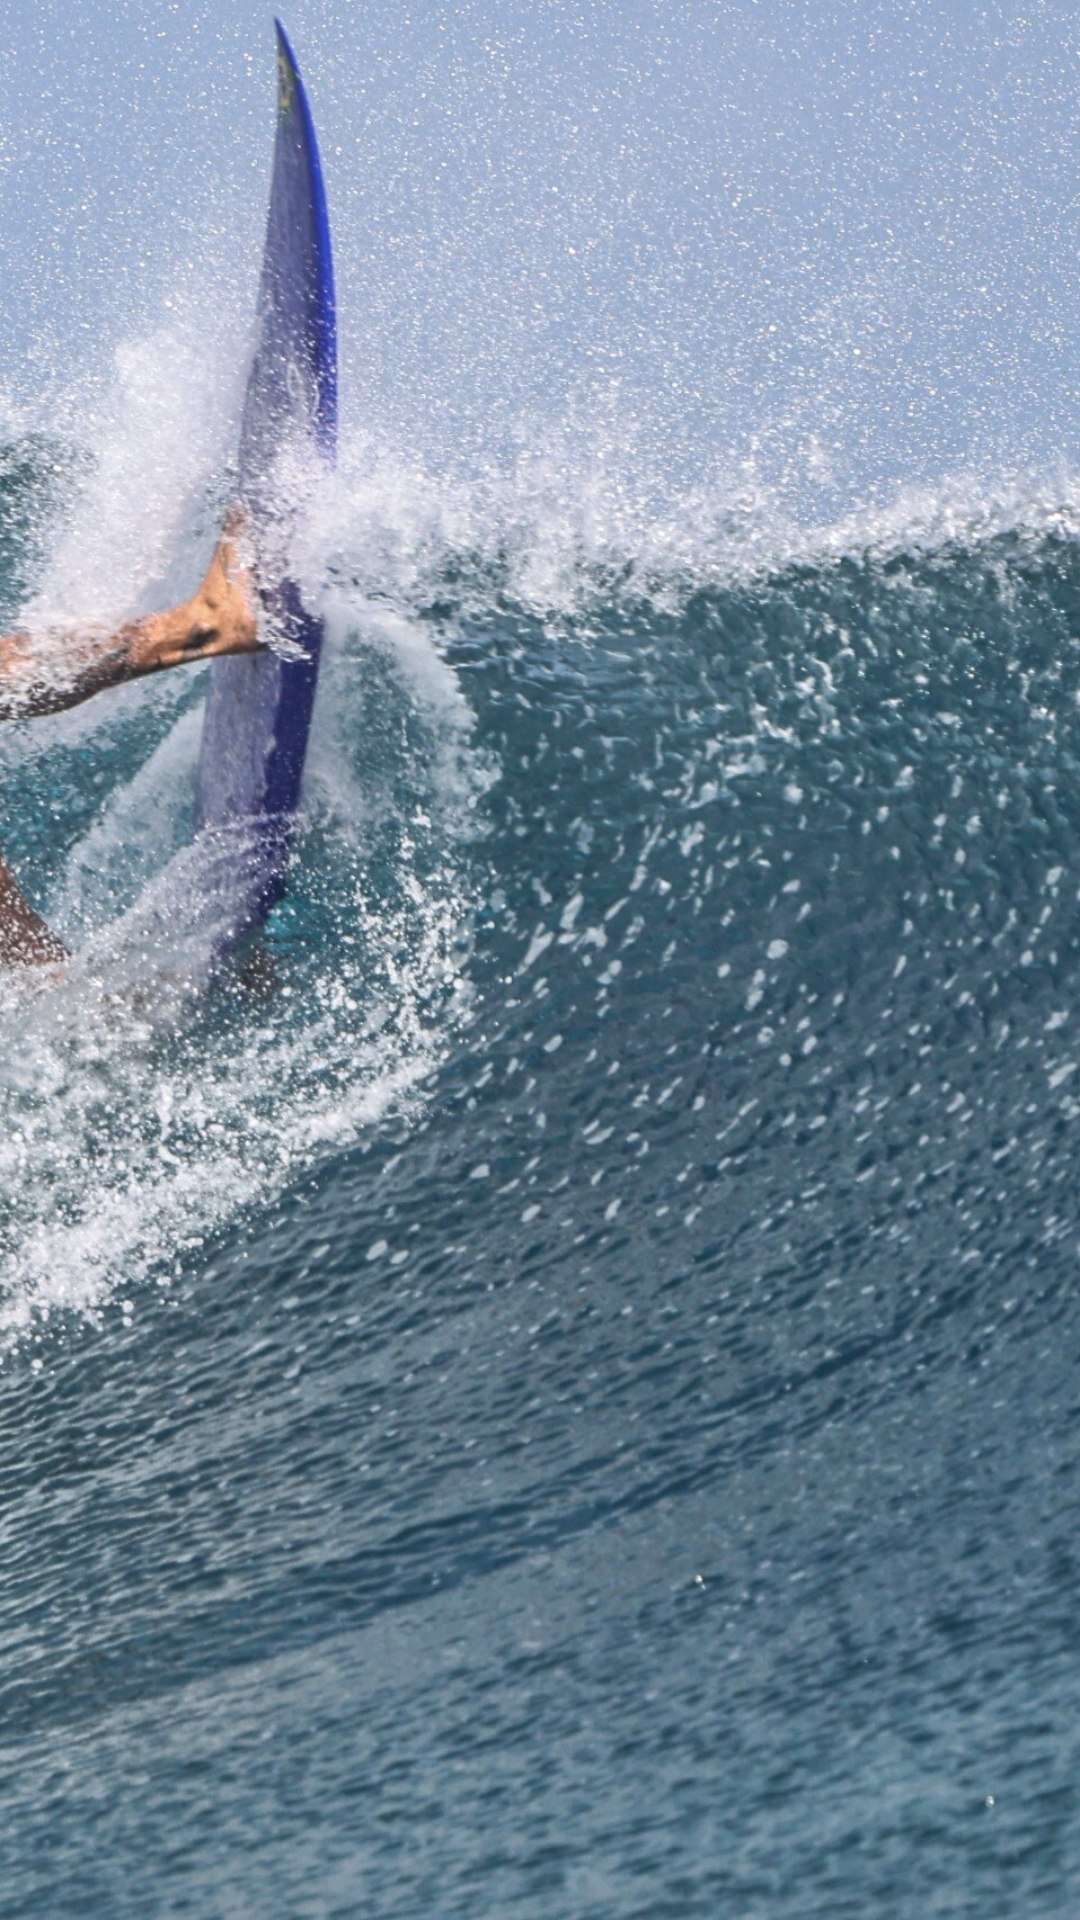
(259, 707)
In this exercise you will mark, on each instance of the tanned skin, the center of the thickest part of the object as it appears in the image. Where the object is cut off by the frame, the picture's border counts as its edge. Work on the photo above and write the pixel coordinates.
(218, 619)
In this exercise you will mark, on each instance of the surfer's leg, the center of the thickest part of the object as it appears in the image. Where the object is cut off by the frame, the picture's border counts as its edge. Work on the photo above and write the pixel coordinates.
(218, 619)
(25, 940)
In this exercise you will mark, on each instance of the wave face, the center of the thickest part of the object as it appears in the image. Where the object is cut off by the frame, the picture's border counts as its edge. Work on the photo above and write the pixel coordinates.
(564, 1400)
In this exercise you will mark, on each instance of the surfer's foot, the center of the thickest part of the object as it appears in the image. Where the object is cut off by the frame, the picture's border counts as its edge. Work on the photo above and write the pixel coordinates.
(25, 940)
(219, 619)
(223, 610)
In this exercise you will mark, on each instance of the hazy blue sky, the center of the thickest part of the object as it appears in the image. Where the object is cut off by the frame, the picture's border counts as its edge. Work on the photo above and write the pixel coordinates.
(843, 232)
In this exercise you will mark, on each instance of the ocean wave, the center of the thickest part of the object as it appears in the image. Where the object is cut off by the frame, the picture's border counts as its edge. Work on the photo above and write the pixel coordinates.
(745, 820)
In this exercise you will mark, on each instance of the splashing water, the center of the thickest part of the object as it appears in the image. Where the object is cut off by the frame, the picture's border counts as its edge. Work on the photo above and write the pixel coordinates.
(140, 1121)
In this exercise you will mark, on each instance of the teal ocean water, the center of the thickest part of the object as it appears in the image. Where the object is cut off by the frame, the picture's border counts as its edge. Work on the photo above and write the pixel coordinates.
(565, 1403)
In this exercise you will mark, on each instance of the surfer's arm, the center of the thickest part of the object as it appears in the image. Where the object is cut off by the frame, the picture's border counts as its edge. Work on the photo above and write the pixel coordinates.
(217, 620)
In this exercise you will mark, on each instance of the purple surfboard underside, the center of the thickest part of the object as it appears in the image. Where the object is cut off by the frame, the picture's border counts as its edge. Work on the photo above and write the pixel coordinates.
(259, 707)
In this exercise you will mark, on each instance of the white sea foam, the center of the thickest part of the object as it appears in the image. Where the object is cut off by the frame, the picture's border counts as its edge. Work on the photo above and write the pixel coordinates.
(565, 525)
(138, 1120)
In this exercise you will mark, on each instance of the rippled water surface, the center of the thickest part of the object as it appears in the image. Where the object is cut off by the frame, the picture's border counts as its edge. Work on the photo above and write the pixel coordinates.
(564, 1401)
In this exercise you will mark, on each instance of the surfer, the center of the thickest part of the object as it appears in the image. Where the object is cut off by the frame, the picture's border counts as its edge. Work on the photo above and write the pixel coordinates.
(218, 619)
